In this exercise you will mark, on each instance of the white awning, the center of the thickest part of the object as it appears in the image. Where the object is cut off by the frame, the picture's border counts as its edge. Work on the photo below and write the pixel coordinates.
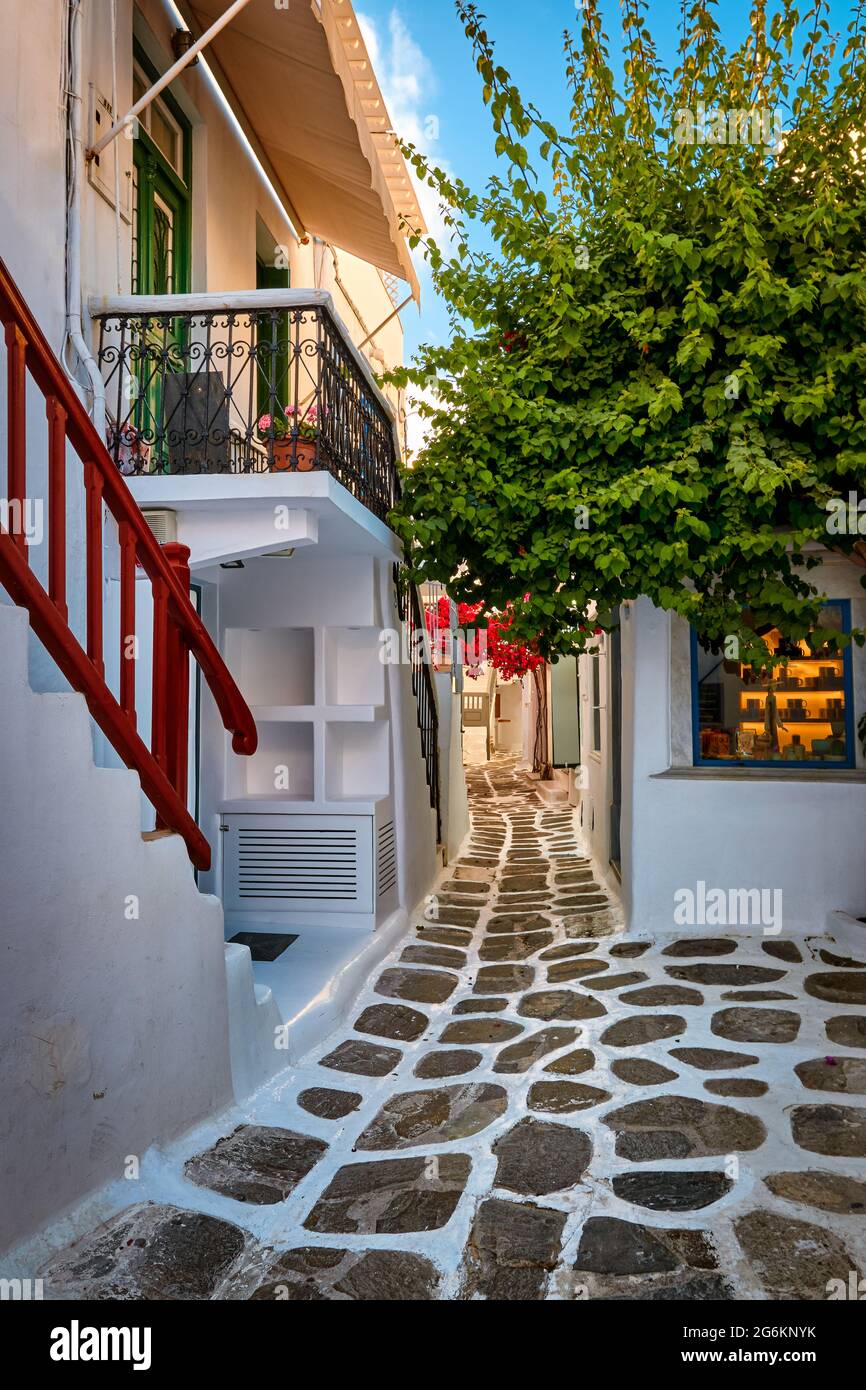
(300, 81)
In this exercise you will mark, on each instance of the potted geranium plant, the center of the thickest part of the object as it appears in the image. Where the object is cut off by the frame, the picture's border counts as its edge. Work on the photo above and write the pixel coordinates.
(303, 435)
(294, 443)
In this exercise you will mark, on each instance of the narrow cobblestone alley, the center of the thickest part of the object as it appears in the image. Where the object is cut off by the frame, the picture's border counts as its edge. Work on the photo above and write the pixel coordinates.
(529, 1106)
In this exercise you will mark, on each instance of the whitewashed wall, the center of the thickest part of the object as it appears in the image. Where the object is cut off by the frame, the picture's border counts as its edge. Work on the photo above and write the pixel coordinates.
(113, 1007)
(452, 780)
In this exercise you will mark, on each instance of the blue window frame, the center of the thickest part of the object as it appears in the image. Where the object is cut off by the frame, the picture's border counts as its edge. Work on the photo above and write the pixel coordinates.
(800, 716)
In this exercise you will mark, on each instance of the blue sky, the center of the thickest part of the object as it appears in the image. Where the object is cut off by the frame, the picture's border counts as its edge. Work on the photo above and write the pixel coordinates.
(425, 67)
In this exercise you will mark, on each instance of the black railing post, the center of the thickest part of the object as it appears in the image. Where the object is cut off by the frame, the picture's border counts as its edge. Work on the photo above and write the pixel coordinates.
(411, 614)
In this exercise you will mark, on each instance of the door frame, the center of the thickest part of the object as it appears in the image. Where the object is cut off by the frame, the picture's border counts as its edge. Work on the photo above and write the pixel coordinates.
(155, 176)
(614, 666)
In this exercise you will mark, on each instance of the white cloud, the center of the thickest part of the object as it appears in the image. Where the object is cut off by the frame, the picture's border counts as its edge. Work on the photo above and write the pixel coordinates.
(418, 426)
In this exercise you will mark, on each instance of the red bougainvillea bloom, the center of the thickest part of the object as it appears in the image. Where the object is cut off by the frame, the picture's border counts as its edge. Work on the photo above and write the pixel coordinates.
(511, 660)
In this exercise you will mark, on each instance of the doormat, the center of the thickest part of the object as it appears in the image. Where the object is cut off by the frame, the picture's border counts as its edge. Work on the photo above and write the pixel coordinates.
(264, 945)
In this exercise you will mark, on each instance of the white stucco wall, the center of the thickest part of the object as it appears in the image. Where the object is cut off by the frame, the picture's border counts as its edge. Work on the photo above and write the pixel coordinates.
(32, 236)
(32, 182)
(452, 779)
(113, 1026)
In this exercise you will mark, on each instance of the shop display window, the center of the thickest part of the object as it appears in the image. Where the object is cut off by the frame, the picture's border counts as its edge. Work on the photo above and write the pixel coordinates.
(797, 712)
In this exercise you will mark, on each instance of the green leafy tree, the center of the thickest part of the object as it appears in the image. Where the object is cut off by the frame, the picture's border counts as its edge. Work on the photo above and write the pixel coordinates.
(656, 382)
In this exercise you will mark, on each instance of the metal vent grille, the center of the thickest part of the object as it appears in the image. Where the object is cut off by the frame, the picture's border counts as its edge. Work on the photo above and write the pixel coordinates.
(386, 859)
(162, 522)
(293, 864)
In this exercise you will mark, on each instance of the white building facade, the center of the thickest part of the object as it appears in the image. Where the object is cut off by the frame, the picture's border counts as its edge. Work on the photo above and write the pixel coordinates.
(711, 799)
(222, 280)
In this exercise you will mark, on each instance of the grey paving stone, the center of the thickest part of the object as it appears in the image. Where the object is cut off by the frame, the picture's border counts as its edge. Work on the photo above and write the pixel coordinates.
(412, 1118)
(840, 987)
(536, 1157)
(848, 1030)
(447, 1062)
(256, 1163)
(561, 1004)
(431, 954)
(395, 1021)
(146, 1253)
(362, 1058)
(706, 1128)
(512, 1248)
(641, 1071)
(677, 1191)
(391, 1196)
(328, 1104)
(503, 979)
(710, 974)
(480, 1030)
(564, 1097)
(833, 1192)
(522, 1055)
(838, 1131)
(643, 1028)
(756, 1025)
(419, 986)
(793, 1259)
(319, 1273)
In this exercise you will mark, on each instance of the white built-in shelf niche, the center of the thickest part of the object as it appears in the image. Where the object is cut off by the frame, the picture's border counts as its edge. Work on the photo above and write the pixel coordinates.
(354, 674)
(336, 751)
(357, 761)
(272, 666)
(283, 764)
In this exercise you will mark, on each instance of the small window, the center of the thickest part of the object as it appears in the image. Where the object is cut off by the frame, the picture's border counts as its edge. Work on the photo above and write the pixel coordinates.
(165, 135)
(796, 712)
(162, 127)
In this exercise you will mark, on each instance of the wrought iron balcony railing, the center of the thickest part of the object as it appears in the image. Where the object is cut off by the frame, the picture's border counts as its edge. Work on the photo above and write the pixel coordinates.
(265, 381)
(411, 613)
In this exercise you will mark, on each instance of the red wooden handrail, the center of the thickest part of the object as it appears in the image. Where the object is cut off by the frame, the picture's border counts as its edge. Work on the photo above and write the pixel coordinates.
(178, 631)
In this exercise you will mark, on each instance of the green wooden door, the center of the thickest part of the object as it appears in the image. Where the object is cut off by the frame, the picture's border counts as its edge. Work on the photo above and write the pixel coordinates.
(273, 336)
(160, 258)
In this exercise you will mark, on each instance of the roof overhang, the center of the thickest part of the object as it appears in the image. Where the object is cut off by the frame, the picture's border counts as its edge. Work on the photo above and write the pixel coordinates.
(300, 82)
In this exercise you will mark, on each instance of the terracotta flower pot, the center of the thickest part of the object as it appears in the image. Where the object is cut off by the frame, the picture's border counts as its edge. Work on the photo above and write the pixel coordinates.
(282, 456)
(306, 455)
(292, 453)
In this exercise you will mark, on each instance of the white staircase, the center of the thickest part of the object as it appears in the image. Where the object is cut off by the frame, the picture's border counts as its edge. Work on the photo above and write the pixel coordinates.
(114, 1006)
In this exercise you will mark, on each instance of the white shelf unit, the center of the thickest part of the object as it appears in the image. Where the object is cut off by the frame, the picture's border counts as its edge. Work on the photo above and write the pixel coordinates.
(308, 819)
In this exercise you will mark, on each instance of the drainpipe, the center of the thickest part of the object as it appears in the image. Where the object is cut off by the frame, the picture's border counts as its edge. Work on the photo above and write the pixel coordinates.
(74, 334)
(168, 76)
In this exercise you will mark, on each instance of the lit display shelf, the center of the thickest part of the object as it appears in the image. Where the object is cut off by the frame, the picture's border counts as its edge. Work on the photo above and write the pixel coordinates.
(797, 710)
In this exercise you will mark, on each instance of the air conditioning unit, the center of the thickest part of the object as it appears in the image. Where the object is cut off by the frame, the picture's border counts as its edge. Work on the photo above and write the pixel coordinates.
(299, 863)
(162, 522)
(309, 867)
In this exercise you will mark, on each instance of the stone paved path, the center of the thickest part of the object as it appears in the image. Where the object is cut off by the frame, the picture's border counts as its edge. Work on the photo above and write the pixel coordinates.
(530, 1106)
